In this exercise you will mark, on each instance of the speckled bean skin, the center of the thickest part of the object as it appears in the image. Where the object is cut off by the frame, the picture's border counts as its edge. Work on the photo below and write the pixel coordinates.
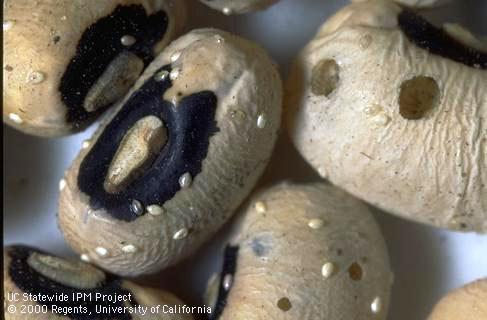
(307, 252)
(431, 169)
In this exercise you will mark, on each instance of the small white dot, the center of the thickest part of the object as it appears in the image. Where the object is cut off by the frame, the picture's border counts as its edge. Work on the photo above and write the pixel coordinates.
(227, 11)
(62, 184)
(85, 258)
(137, 207)
(327, 269)
(185, 180)
(155, 210)
(174, 74)
(260, 206)
(180, 234)
(261, 121)
(129, 248)
(376, 305)
(161, 75)
(15, 118)
(64, 18)
(315, 223)
(85, 144)
(35, 77)
(381, 120)
(219, 39)
(127, 40)
(175, 56)
(102, 252)
(227, 281)
(7, 25)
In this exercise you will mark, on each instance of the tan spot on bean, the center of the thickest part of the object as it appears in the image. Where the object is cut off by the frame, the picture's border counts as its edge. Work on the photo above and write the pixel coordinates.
(284, 304)
(324, 77)
(355, 271)
(418, 96)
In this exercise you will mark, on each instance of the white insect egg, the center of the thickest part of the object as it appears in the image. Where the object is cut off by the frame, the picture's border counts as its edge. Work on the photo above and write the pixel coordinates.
(175, 56)
(130, 248)
(174, 74)
(137, 207)
(185, 180)
(261, 121)
(376, 305)
(315, 223)
(102, 252)
(381, 120)
(180, 234)
(155, 210)
(35, 77)
(161, 75)
(128, 40)
(327, 269)
(260, 206)
(15, 118)
(227, 281)
(85, 258)
(62, 184)
(7, 25)
(227, 11)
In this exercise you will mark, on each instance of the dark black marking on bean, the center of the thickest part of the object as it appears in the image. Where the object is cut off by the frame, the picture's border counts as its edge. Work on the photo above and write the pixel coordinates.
(230, 256)
(438, 42)
(189, 127)
(30, 281)
(99, 45)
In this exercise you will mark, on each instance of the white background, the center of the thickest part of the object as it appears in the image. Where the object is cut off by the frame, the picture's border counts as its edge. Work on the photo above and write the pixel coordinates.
(427, 262)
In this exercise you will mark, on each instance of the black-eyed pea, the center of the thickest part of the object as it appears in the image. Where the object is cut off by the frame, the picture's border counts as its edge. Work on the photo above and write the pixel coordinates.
(41, 286)
(66, 62)
(179, 154)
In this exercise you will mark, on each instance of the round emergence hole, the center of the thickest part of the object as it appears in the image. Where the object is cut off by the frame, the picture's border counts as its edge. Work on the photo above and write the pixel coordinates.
(324, 77)
(284, 304)
(355, 271)
(418, 96)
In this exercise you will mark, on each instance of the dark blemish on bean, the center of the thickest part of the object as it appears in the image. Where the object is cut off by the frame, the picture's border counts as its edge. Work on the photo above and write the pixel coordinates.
(284, 304)
(261, 246)
(98, 47)
(355, 271)
(189, 128)
(438, 42)
(229, 267)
